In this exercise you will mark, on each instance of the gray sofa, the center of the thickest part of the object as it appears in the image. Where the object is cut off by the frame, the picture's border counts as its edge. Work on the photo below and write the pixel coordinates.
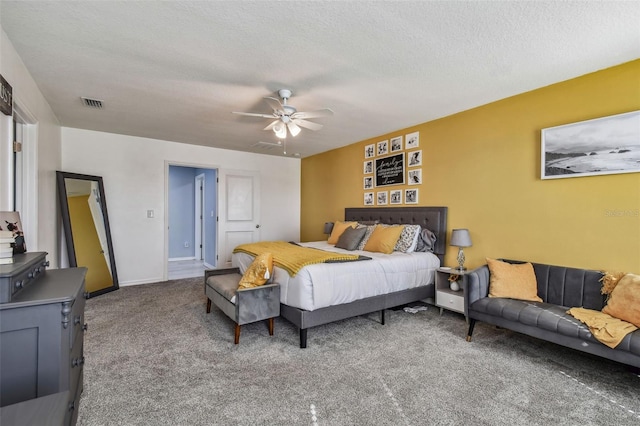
(560, 288)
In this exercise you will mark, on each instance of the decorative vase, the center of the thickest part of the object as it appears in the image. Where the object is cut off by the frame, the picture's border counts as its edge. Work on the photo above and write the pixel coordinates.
(453, 285)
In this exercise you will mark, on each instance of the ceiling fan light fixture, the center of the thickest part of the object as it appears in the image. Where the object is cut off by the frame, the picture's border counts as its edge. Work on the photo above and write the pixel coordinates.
(294, 129)
(280, 130)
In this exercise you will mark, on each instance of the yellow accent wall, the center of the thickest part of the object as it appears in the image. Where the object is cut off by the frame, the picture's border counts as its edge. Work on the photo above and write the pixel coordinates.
(484, 164)
(87, 244)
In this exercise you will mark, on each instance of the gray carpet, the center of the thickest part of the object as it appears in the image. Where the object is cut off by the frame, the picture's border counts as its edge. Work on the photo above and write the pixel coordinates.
(154, 357)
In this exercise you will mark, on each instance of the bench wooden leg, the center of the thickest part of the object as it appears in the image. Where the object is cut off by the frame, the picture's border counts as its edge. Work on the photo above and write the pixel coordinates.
(208, 305)
(271, 323)
(237, 334)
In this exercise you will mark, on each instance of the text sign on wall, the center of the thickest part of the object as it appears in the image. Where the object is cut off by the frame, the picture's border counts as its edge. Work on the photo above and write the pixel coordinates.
(390, 170)
(6, 97)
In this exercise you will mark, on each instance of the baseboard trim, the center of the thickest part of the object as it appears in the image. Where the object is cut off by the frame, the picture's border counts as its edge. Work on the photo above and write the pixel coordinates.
(175, 259)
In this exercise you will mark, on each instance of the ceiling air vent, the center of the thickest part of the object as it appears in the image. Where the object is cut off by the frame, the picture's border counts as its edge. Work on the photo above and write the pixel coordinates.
(91, 103)
(267, 145)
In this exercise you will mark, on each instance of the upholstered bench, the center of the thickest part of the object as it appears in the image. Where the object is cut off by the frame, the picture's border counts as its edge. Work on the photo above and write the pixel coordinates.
(245, 305)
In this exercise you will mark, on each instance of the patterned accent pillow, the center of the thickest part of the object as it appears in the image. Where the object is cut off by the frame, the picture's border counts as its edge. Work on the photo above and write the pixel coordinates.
(408, 239)
(367, 234)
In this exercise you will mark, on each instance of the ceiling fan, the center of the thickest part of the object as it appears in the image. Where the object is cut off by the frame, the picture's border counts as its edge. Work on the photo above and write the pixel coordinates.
(287, 116)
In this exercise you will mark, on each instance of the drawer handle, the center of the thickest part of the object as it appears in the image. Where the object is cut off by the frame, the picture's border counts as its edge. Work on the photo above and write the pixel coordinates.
(77, 361)
(77, 320)
(45, 264)
(31, 274)
(85, 327)
(19, 284)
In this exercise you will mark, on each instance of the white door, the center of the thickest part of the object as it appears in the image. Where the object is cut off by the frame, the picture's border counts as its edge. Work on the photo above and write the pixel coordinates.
(199, 218)
(239, 212)
(98, 220)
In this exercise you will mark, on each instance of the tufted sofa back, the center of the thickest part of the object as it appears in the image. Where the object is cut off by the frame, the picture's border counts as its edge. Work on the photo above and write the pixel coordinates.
(570, 287)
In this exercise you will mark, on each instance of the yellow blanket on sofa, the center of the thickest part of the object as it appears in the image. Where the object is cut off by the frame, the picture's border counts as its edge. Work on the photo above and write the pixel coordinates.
(607, 329)
(292, 257)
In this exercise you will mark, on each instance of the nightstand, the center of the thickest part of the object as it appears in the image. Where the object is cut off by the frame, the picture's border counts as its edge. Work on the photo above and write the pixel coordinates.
(446, 297)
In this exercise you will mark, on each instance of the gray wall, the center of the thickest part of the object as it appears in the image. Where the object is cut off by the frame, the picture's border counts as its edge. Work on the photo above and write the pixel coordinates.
(181, 211)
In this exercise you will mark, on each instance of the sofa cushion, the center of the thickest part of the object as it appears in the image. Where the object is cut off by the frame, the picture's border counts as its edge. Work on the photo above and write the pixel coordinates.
(226, 285)
(624, 300)
(514, 281)
(549, 317)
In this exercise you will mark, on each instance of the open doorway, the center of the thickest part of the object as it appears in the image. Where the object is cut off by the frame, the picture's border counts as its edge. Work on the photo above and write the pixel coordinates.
(192, 221)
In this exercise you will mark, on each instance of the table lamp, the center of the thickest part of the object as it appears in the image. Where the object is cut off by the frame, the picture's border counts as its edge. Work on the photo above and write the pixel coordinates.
(460, 238)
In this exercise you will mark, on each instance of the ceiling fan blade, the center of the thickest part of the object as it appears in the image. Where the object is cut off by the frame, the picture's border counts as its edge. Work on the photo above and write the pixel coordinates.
(253, 114)
(313, 114)
(273, 123)
(294, 129)
(307, 124)
(274, 103)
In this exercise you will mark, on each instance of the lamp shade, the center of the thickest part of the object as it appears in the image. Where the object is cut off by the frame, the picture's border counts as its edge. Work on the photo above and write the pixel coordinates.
(328, 227)
(460, 238)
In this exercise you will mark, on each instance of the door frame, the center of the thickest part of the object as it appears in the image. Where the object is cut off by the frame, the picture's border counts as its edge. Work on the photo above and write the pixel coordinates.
(200, 197)
(167, 163)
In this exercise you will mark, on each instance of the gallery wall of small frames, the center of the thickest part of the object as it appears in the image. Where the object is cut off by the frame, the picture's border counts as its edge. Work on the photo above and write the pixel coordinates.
(392, 162)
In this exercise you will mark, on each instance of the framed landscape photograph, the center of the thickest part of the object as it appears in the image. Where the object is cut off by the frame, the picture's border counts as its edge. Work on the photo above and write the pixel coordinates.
(412, 140)
(382, 198)
(396, 144)
(395, 196)
(601, 146)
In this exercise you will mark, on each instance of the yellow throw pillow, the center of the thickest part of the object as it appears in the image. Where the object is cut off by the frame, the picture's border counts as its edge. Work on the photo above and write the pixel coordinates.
(338, 229)
(624, 300)
(258, 272)
(383, 239)
(512, 281)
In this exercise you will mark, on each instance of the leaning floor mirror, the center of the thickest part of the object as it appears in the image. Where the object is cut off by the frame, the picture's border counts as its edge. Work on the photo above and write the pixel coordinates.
(86, 230)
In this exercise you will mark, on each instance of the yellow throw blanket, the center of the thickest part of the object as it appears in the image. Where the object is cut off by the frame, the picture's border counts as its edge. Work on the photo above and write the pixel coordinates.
(607, 329)
(291, 257)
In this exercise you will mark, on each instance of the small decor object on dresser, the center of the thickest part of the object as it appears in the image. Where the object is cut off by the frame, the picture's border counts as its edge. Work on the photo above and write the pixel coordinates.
(10, 221)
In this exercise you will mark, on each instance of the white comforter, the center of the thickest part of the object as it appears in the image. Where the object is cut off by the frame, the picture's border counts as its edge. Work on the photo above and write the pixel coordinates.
(327, 284)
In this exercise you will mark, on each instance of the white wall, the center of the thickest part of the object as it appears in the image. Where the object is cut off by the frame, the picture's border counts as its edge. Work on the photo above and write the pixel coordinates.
(46, 152)
(133, 171)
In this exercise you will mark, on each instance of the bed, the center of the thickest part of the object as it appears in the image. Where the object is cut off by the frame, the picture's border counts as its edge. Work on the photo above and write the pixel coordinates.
(324, 293)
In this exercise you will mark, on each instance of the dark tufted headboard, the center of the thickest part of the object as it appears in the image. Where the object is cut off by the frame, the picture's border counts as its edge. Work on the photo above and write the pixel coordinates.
(433, 218)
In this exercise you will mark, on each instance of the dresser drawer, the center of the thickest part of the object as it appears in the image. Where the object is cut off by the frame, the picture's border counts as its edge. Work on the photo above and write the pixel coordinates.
(19, 275)
(453, 302)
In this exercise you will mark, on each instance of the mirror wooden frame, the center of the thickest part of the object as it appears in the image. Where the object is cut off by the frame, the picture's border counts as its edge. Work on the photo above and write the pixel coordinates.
(68, 233)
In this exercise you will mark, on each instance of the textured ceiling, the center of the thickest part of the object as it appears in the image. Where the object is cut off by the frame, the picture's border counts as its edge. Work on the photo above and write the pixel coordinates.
(175, 70)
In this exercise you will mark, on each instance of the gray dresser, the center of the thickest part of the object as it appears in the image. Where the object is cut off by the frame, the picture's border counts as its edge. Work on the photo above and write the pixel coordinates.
(41, 336)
